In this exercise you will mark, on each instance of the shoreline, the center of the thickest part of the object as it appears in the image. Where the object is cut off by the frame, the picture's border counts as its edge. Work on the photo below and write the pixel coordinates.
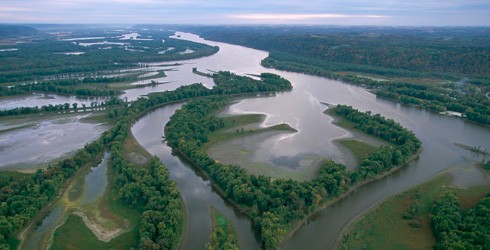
(300, 223)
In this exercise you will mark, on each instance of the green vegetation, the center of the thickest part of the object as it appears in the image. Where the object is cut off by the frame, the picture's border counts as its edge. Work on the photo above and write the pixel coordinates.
(417, 67)
(233, 127)
(74, 234)
(106, 55)
(403, 221)
(390, 49)
(7, 177)
(455, 228)
(275, 205)
(63, 108)
(23, 198)
(360, 149)
(486, 165)
(223, 236)
(221, 148)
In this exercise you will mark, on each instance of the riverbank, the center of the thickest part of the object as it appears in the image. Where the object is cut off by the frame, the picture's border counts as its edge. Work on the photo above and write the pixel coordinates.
(403, 220)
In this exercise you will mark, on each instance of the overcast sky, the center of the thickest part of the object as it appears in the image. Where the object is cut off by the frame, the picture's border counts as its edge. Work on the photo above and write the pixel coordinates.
(341, 12)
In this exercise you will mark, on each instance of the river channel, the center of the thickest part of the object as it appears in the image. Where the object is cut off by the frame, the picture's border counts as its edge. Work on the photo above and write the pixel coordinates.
(302, 109)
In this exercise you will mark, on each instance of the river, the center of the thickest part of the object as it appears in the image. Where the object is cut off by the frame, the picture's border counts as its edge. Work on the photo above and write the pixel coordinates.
(302, 109)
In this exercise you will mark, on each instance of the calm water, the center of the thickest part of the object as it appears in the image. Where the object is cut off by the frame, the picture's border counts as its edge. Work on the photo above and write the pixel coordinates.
(95, 182)
(94, 186)
(301, 108)
(41, 140)
(195, 189)
(40, 99)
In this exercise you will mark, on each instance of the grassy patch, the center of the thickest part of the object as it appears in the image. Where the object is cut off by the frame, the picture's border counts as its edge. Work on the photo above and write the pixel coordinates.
(135, 153)
(75, 235)
(403, 222)
(235, 126)
(360, 149)
(243, 126)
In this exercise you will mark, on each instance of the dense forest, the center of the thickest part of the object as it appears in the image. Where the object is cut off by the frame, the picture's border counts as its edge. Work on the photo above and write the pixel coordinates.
(457, 228)
(420, 50)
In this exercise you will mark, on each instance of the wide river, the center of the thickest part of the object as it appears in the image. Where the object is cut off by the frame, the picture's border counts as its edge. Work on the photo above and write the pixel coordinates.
(302, 109)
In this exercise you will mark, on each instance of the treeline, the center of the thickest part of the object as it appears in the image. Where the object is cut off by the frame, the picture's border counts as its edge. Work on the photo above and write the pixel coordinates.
(275, 205)
(66, 107)
(63, 87)
(456, 228)
(466, 53)
(229, 83)
(21, 199)
(472, 105)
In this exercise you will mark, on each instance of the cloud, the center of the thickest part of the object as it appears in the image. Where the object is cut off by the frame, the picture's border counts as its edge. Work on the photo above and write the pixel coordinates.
(344, 12)
(273, 16)
(13, 9)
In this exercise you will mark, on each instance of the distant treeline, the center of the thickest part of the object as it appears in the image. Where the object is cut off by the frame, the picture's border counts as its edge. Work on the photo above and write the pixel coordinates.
(44, 57)
(64, 87)
(12, 31)
(66, 107)
(445, 51)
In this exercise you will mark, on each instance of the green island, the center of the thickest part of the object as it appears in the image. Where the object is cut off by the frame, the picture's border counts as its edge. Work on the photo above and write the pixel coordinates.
(223, 235)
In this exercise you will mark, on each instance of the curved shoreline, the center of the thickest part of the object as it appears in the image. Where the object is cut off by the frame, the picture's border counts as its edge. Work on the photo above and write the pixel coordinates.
(302, 222)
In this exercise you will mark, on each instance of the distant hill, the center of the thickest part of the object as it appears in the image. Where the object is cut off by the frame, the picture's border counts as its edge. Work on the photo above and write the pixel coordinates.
(9, 31)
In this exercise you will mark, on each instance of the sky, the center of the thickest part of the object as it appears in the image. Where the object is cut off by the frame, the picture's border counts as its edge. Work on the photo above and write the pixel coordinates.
(326, 12)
